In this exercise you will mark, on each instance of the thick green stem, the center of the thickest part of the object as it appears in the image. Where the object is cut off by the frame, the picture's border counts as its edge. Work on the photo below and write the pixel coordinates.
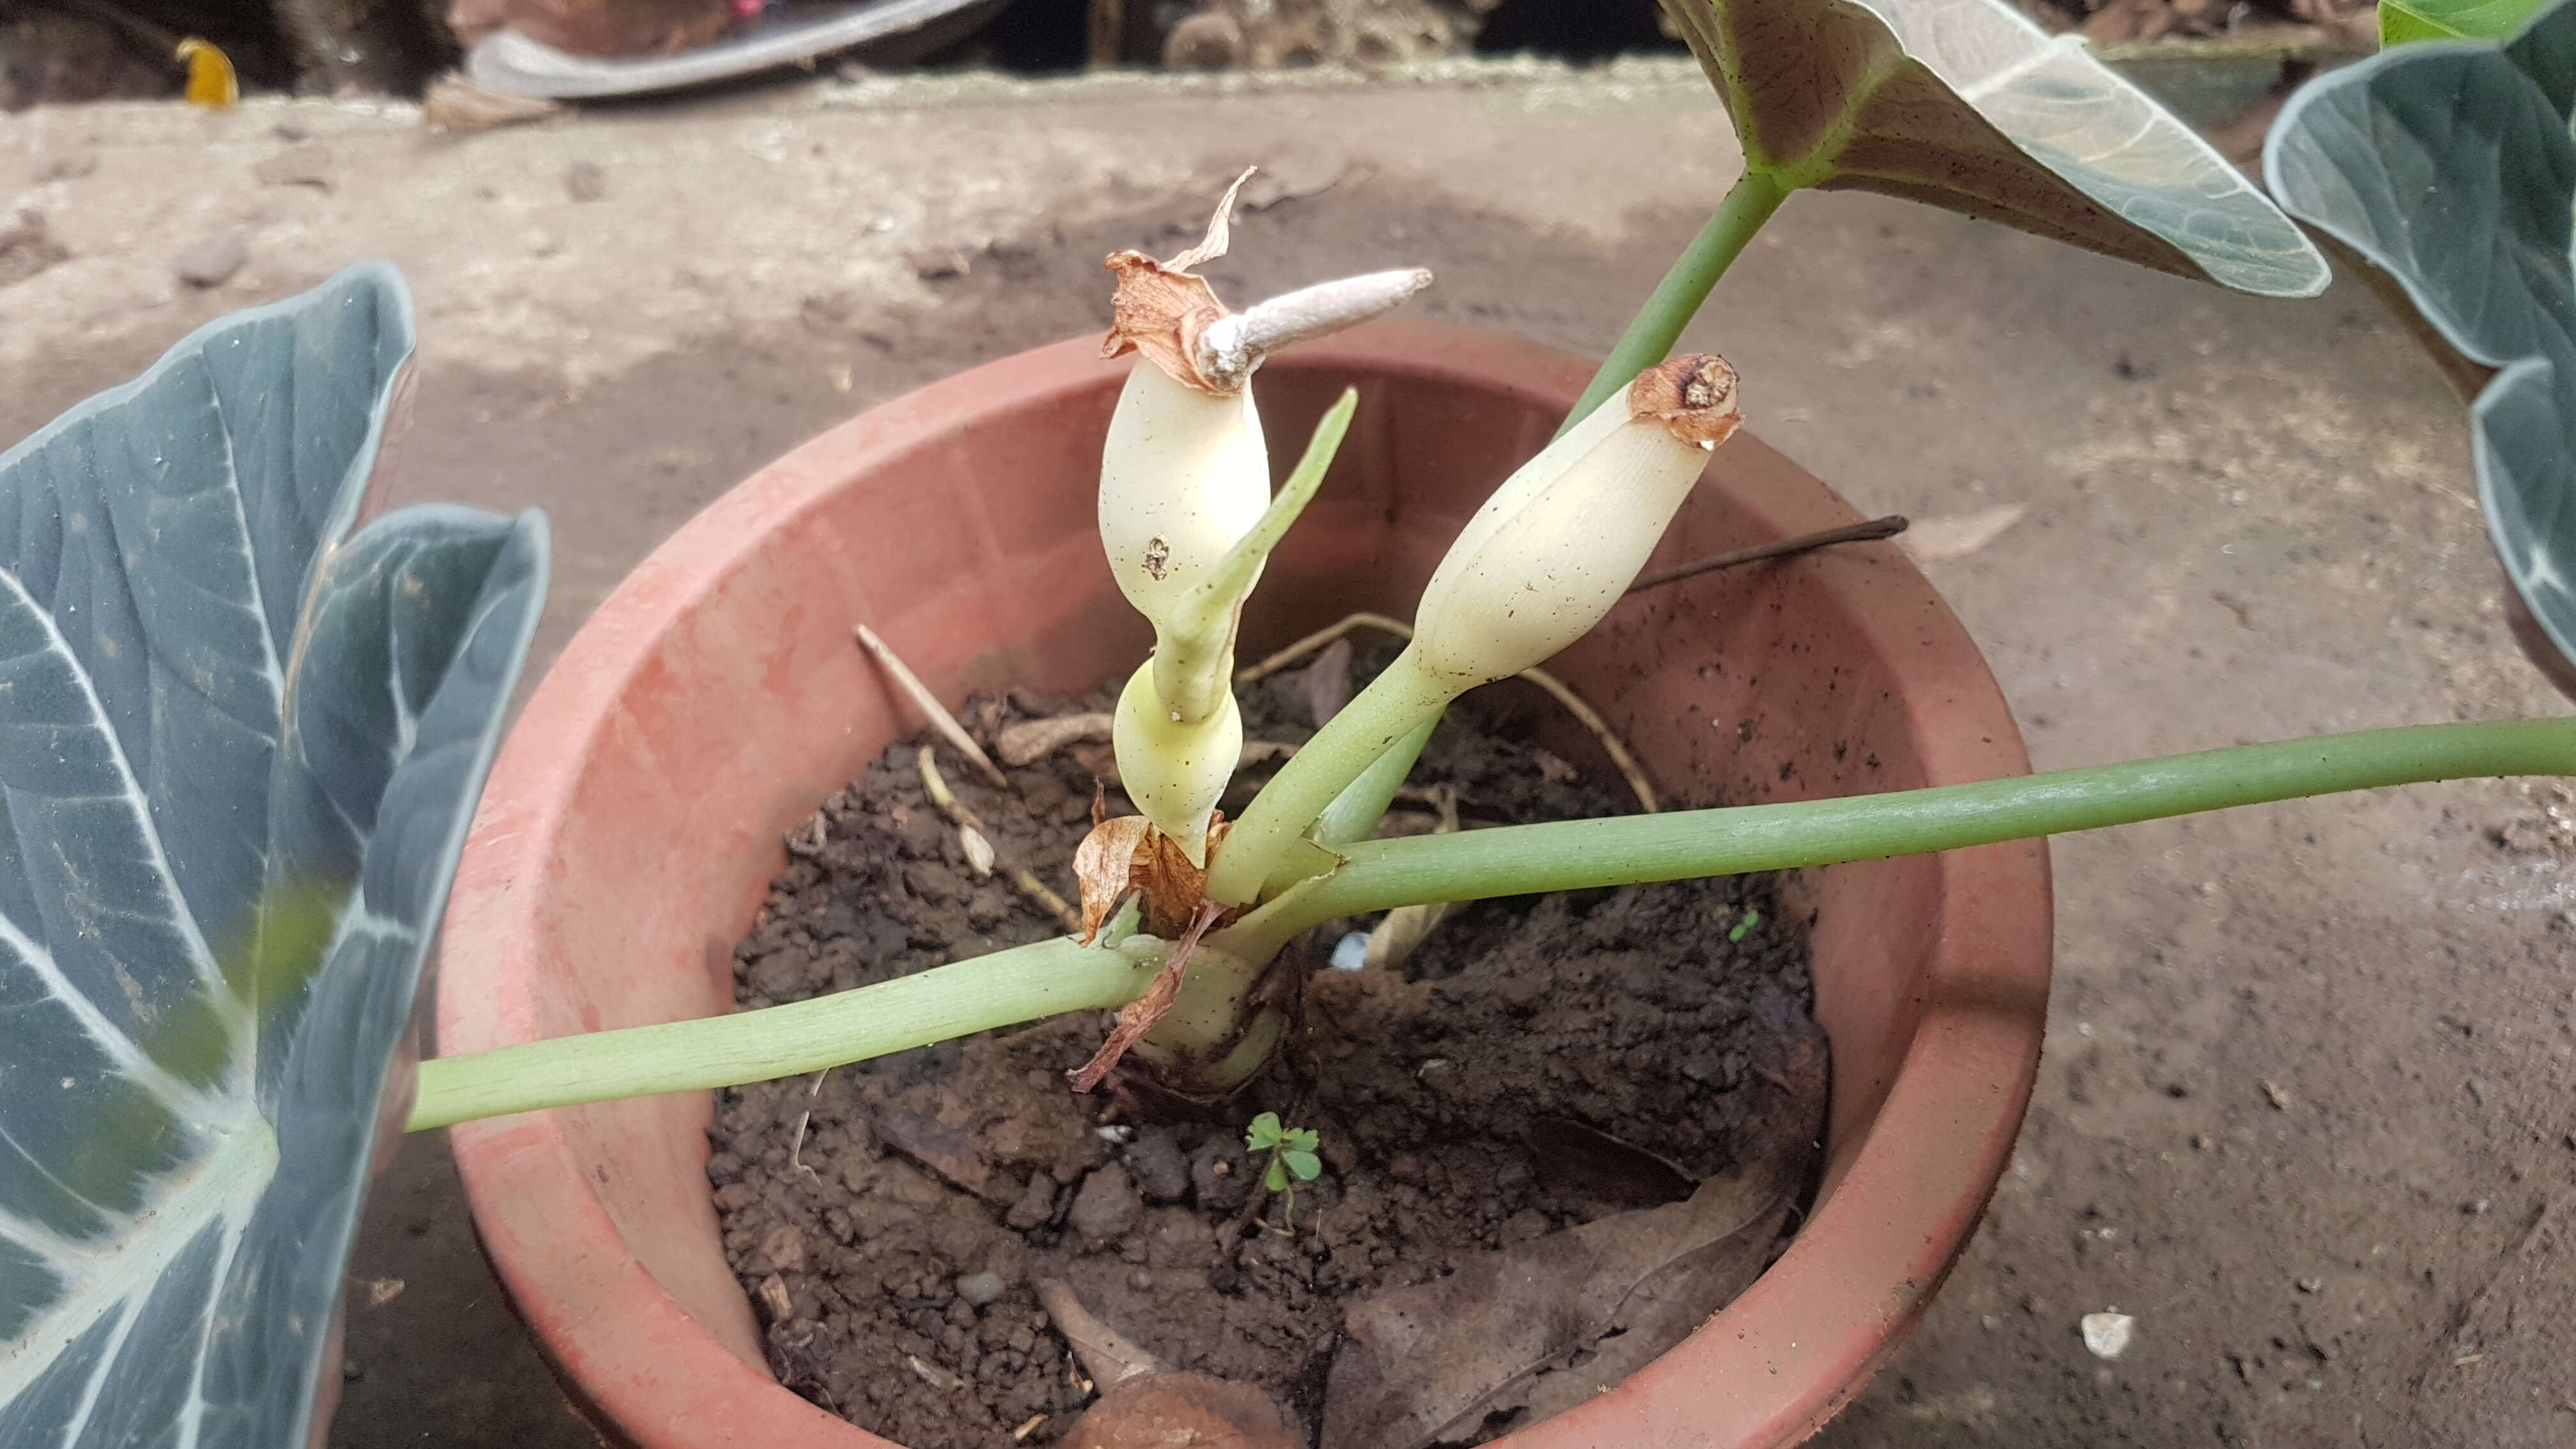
(1676, 300)
(1355, 812)
(979, 994)
(1619, 850)
(1399, 699)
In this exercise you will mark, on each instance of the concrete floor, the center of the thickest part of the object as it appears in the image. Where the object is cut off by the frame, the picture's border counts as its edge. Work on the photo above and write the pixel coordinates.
(2309, 1109)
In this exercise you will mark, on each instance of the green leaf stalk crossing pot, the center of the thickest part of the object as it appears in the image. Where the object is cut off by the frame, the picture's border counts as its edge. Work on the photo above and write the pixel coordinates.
(636, 813)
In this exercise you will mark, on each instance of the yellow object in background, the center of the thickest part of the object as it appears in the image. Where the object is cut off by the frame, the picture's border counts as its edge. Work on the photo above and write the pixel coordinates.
(210, 74)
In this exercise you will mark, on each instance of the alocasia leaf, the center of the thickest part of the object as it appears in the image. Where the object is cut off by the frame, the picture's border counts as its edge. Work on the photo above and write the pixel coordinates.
(1968, 105)
(2404, 20)
(238, 752)
(2448, 166)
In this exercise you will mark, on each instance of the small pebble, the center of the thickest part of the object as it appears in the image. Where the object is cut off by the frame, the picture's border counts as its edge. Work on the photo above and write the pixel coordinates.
(981, 1289)
(212, 262)
(2107, 1335)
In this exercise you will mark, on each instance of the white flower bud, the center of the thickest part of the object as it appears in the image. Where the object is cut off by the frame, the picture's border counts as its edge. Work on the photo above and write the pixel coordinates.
(1554, 547)
(1175, 771)
(1183, 477)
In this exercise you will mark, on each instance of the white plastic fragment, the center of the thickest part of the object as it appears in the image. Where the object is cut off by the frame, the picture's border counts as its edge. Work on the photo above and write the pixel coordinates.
(1351, 952)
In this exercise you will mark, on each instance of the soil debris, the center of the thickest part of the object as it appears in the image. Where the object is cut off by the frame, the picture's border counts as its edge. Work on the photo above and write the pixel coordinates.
(951, 1180)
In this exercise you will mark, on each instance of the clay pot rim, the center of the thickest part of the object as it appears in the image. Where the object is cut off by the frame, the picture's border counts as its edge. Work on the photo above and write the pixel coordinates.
(1772, 1368)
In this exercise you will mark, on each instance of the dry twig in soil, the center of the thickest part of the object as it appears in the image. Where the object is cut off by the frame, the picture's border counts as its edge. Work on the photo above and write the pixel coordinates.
(1557, 689)
(928, 703)
(978, 844)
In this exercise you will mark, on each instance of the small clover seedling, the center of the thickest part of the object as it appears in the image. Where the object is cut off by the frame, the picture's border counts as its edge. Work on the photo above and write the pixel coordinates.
(1292, 1161)
(1743, 928)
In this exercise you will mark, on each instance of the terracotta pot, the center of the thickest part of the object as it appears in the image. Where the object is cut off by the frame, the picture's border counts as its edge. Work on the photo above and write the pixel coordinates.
(635, 816)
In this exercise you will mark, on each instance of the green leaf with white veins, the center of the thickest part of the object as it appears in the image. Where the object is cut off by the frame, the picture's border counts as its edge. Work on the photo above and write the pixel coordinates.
(1968, 105)
(2448, 166)
(238, 751)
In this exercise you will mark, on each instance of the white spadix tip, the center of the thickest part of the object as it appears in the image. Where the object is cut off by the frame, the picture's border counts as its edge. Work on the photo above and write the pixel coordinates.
(1230, 347)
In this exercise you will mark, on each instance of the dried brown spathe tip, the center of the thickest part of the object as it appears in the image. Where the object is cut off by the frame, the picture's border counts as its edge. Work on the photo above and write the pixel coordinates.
(1160, 308)
(1693, 396)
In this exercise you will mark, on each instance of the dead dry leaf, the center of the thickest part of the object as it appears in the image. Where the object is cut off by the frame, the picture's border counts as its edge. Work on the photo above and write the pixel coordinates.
(1934, 540)
(1430, 1363)
(1182, 1411)
(1426, 1364)
(1587, 1164)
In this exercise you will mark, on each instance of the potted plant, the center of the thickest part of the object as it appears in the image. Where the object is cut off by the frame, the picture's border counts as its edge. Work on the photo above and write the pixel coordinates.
(1930, 968)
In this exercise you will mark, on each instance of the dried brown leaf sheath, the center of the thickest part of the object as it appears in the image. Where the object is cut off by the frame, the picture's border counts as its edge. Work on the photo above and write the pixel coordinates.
(1693, 396)
(1160, 308)
(1128, 854)
(1139, 1016)
(1104, 868)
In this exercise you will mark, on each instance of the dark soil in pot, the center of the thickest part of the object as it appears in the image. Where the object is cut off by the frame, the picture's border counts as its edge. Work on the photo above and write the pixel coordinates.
(890, 1220)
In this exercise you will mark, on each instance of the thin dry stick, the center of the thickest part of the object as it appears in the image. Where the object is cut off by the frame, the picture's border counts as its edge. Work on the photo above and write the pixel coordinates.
(1110, 1357)
(1876, 528)
(928, 703)
(805, 1119)
(935, 785)
(1562, 692)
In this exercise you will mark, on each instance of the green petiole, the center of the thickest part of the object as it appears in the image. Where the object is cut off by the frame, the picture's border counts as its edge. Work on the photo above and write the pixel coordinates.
(1028, 982)
(958, 999)
(1685, 287)
(1614, 850)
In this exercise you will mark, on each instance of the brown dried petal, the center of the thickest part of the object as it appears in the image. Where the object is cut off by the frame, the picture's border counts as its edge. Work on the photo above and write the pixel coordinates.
(1693, 396)
(1104, 867)
(1129, 854)
(1213, 245)
(1160, 308)
(1173, 887)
